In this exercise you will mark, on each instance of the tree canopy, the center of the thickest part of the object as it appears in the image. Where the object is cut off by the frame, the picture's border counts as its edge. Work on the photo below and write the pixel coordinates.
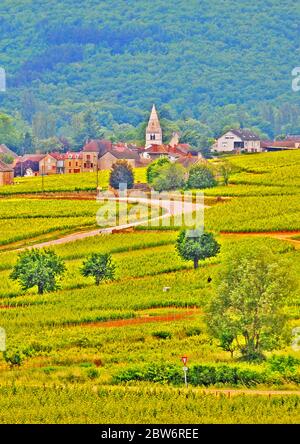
(247, 311)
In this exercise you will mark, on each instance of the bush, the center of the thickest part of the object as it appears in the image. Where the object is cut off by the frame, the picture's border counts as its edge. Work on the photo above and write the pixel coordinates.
(198, 375)
(92, 373)
(13, 357)
(162, 334)
(201, 176)
(283, 364)
(193, 331)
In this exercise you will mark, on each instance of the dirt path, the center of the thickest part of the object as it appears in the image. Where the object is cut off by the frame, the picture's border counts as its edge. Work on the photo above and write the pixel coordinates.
(172, 208)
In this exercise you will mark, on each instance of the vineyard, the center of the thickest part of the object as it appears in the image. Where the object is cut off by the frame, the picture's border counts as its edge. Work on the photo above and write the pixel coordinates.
(115, 348)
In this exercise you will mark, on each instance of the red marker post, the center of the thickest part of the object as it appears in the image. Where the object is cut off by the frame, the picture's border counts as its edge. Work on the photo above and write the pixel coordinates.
(185, 369)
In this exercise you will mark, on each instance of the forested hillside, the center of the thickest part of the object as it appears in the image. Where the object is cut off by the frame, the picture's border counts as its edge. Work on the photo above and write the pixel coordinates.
(207, 64)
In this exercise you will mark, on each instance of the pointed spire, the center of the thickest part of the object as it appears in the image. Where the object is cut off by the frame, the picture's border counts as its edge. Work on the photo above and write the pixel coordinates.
(154, 125)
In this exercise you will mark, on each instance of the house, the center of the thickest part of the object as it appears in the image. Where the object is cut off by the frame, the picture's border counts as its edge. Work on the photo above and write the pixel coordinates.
(6, 174)
(27, 162)
(280, 145)
(107, 159)
(238, 140)
(48, 164)
(154, 135)
(92, 151)
(72, 162)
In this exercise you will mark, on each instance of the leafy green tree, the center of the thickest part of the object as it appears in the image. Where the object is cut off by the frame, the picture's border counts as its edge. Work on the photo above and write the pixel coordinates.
(39, 268)
(153, 168)
(8, 132)
(169, 177)
(225, 171)
(6, 158)
(201, 176)
(28, 143)
(193, 245)
(87, 128)
(248, 306)
(121, 173)
(100, 267)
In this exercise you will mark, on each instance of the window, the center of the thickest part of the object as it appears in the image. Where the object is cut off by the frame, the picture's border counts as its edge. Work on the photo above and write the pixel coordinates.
(88, 157)
(152, 136)
(70, 164)
(84, 165)
(76, 164)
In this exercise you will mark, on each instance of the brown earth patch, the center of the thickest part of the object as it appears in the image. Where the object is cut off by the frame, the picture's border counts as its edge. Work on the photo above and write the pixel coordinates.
(141, 320)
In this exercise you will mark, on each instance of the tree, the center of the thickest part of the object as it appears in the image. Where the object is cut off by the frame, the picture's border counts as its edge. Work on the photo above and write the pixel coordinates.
(169, 177)
(86, 127)
(193, 245)
(153, 168)
(225, 171)
(99, 266)
(201, 176)
(246, 312)
(39, 268)
(8, 132)
(6, 158)
(121, 173)
(28, 143)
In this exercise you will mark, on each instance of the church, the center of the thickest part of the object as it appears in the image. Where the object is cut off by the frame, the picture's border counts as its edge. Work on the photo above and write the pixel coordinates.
(154, 135)
(155, 148)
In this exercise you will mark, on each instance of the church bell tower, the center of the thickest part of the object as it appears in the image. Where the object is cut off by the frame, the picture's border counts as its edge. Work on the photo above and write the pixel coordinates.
(153, 131)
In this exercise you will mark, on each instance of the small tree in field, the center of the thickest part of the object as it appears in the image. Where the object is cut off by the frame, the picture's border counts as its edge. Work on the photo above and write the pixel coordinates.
(201, 176)
(39, 268)
(225, 171)
(121, 172)
(170, 176)
(153, 168)
(99, 266)
(246, 312)
(197, 246)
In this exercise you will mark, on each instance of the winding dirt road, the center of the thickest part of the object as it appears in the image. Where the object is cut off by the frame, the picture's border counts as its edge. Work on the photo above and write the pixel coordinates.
(172, 208)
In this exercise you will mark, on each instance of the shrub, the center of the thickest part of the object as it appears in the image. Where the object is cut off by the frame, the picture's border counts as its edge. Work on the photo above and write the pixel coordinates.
(193, 331)
(162, 334)
(92, 373)
(14, 357)
(283, 364)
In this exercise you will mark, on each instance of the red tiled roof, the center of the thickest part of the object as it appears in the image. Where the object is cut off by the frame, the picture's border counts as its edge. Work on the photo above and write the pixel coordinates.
(278, 143)
(157, 149)
(97, 146)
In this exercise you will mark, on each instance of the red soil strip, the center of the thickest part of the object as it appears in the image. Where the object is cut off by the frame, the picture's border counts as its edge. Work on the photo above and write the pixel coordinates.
(141, 320)
(261, 233)
(7, 307)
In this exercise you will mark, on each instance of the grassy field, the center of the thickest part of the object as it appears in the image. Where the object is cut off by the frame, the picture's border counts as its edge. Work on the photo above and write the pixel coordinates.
(119, 345)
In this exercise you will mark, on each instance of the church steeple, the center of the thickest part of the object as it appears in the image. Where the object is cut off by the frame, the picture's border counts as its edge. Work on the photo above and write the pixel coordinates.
(153, 131)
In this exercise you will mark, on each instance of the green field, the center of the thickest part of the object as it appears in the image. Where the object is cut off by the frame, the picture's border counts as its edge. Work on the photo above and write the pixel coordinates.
(120, 344)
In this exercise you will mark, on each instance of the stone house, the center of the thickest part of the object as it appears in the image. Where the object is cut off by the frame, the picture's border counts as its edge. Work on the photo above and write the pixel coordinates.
(6, 174)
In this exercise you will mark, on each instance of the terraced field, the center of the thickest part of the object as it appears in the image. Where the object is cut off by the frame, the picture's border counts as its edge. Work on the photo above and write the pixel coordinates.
(116, 348)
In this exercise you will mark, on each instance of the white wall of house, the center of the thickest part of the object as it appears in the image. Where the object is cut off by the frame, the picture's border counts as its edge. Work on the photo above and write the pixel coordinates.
(226, 142)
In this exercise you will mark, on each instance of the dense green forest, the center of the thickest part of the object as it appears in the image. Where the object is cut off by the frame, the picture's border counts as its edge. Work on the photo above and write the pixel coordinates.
(95, 68)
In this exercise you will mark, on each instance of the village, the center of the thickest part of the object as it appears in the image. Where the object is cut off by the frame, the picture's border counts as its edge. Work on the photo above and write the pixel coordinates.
(101, 154)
